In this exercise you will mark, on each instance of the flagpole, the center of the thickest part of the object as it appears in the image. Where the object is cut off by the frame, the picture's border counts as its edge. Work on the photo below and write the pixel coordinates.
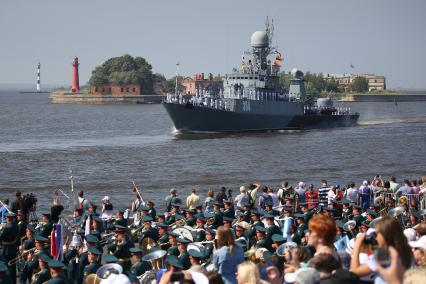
(177, 73)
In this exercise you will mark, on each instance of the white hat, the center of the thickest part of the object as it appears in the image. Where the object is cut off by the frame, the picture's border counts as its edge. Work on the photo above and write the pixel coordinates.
(365, 182)
(306, 275)
(199, 278)
(242, 188)
(410, 234)
(106, 197)
(244, 225)
(301, 184)
(116, 279)
(420, 243)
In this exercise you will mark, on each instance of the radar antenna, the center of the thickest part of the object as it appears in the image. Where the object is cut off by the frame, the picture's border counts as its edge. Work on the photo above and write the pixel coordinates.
(269, 29)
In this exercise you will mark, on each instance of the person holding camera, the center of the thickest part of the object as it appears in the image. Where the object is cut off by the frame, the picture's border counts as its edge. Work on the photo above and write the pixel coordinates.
(388, 234)
(227, 255)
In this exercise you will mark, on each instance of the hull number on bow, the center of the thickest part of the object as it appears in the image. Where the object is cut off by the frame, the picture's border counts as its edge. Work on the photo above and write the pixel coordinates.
(246, 106)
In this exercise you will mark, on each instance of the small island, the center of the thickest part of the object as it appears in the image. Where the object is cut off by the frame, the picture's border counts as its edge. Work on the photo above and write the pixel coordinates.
(119, 80)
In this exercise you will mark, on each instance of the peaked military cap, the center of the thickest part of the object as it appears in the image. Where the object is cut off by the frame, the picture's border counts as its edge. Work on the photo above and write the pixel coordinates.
(94, 250)
(91, 238)
(40, 238)
(227, 219)
(174, 204)
(44, 257)
(162, 225)
(195, 253)
(56, 264)
(179, 217)
(174, 261)
(269, 203)
(31, 228)
(261, 229)
(299, 215)
(209, 215)
(182, 240)
(144, 208)
(135, 250)
(256, 211)
(277, 238)
(146, 219)
(109, 258)
(227, 201)
(10, 214)
(211, 231)
(46, 214)
(174, 235)
(268, 215)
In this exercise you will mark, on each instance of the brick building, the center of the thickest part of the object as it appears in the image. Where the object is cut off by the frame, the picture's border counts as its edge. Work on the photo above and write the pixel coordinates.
(189, 85)
(375, 82)
(116, 90)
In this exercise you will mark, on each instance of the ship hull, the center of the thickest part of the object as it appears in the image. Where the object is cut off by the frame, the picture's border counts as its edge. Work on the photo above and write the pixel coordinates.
(189, 118)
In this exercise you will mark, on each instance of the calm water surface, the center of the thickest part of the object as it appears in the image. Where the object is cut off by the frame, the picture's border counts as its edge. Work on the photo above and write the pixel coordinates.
(109, 145)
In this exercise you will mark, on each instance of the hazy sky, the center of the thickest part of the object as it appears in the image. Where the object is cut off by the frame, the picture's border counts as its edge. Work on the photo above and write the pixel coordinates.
(384, 37)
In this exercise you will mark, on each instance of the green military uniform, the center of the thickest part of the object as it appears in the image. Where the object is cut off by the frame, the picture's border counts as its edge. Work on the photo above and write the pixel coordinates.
(209, 250)
(163, 241)
(46, 229)
(9, 242)
(91, 268)
(82, 262)
(149, 233)
(300, 233)
(60, 279)
(218, 218)
(229, 212)
(190, 221)
(251, 233)
(265, 243)
(42, 276)
(307, 216)
(273, 230)
(358, 219)
(200, 235)
(4, 276)
(173, 250)
(22, 226)
(120, 221)
(140, 268)
(184, 258)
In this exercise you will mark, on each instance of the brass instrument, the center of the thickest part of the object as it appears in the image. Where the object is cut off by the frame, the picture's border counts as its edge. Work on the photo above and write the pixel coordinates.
(397, 213)
(106, 270)
(148, 244)
(21, 257)
(282, 248)
(107, 238)
(156, 260)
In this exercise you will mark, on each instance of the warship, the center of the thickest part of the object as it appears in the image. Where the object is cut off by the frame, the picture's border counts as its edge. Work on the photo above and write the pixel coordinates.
(253, 98)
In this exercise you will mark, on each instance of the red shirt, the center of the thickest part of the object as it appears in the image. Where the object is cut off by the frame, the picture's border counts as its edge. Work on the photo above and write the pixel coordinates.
(311, 197)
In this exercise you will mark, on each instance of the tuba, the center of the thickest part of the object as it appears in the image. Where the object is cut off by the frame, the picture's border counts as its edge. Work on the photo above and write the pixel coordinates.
(156, 260)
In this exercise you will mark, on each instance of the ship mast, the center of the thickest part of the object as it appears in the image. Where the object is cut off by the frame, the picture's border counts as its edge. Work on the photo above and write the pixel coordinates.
(177, 74)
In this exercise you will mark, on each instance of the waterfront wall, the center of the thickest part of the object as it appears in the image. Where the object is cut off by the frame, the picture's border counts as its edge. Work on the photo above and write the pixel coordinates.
(383, 98)
(81, 98)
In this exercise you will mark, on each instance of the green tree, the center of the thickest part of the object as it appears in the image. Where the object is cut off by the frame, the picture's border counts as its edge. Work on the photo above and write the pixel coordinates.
(124, 70)
(359, 85)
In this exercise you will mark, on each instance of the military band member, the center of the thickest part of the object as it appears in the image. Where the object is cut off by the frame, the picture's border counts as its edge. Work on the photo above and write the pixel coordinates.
(210, 236)
(228, 210)
(163, 239)
(277, 240)
(240, 234)
(346, 211)
(56, 272)
(121, 247)
(22, 224)
(301, 227)
(119, 218)
(151, 212)
(173, 249)
(161, 218)
(9, 242)
(306, 212)
(255, 221)
(189, 217)
(195, 257)
(200, 233)
(4, 275)
(47, 225)
(227, 222)
(174, 210)
(138, 267)
(247, 212)
(269, 208)
(83, 258)
(357, 217)
(271, 228)
(44, 274)
(263, 241)
(218, 215)
(148, 231)
(94, 262)
(183, 254)
(210, 220)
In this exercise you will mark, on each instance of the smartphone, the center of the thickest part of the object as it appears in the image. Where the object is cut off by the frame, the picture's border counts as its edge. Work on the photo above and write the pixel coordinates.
(382, 256)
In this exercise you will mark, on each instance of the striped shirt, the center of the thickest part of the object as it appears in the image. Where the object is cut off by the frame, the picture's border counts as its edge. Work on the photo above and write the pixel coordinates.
(323, 195)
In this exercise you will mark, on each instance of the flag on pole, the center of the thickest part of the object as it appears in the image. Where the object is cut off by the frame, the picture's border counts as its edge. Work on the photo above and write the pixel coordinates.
(56, 242)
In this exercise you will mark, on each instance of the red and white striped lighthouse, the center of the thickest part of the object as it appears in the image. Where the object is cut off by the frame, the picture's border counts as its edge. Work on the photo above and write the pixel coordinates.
(75, 85)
